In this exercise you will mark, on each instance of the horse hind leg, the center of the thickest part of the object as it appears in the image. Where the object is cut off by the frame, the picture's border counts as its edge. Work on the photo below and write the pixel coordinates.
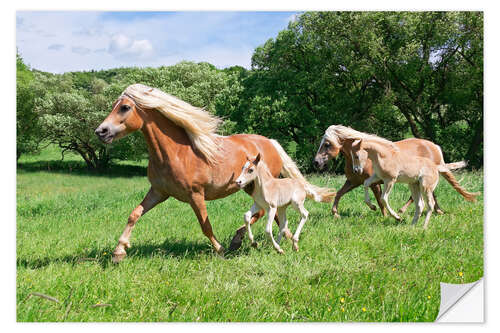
(303, 218)
(348, 186)
(416, 196)
(437, 209)
(429, 200)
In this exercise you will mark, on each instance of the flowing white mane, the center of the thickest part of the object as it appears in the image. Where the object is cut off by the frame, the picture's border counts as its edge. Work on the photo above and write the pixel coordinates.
(336, 132)
(199, 124)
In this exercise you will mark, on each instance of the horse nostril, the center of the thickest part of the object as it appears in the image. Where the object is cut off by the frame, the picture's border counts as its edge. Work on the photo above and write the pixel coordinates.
(316, 164)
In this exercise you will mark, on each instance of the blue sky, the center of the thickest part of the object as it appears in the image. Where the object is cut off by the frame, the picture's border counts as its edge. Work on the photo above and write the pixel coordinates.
(80, 40)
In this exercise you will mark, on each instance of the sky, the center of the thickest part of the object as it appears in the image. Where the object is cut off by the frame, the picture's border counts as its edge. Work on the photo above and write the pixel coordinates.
(62, 41)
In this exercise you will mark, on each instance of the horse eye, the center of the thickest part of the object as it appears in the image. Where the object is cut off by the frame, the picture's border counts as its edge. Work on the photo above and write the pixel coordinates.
(250, 170)
(125, 108)
(327, 144)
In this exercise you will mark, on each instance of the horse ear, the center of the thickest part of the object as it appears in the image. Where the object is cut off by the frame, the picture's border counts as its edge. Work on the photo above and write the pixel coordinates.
(257, 159)
(357, 142)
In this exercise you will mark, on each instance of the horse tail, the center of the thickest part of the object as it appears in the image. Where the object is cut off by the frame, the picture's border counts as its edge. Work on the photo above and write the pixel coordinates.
(456, 165)
(443, 170)
(290, 169)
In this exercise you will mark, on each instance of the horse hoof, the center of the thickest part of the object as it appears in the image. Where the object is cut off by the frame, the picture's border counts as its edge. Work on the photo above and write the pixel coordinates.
(439, 212)
(236, 242)
(296, 247)
(117, 257)
(336, 215)
(373, 208)
(254, 245)
(280, 251)
(288, 234)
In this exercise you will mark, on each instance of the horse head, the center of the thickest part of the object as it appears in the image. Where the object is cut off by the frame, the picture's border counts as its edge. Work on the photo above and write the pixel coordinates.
(328, 150)
(123, 120)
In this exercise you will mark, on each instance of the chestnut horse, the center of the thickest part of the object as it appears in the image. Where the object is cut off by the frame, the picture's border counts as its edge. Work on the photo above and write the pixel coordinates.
(187, 159)
(335, 140)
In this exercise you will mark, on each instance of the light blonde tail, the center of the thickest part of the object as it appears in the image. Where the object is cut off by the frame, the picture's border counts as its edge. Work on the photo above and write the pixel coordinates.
(453, 182)
(456, 165)
(290, 169)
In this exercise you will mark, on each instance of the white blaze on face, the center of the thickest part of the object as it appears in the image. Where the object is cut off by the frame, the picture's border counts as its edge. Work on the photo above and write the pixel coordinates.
(320, 145)
(242, 176)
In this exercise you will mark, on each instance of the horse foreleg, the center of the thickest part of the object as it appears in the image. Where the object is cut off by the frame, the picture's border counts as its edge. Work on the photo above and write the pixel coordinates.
(197, 202)
(248, 219)
(269, 228)
(367, 183)
(378, 196)
(150, 200)
(240, 232)
(348, 186)
(388, 185)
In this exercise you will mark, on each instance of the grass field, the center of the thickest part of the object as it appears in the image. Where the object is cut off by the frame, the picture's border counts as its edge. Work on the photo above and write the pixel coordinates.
(362, 267)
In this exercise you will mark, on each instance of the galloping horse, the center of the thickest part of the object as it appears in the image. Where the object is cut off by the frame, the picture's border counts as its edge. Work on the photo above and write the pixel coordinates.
(335, 140)
(187, 159)
(393, 165)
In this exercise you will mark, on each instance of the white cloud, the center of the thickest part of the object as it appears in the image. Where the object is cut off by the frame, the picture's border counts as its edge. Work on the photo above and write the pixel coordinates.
(123, 46)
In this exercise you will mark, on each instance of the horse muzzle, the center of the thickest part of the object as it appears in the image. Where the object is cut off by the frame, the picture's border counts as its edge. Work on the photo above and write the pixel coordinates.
(357, 169)
(319, 163)
(104, 133)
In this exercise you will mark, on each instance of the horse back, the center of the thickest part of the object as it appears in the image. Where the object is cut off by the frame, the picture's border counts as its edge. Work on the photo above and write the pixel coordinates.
(422, 148)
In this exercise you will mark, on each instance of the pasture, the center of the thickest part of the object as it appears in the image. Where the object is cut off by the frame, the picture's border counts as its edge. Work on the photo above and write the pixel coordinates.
(362, 267)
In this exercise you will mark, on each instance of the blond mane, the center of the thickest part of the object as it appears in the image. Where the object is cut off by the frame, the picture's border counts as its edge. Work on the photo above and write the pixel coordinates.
(335, 133)
(198, 123)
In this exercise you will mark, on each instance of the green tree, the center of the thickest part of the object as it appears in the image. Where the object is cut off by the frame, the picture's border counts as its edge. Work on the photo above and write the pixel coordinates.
(27, 126)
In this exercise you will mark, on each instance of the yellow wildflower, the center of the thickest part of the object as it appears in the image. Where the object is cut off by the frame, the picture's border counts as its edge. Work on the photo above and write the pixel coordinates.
(364, 309)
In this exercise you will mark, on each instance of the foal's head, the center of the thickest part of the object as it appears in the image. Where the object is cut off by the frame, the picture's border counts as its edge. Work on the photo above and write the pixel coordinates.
(358, 155)
(328, 149)
(248, 172)
(123, 119)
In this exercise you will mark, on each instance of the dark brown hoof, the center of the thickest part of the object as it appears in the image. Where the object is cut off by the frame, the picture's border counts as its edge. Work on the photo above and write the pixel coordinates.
(236, 242)
(255, 244)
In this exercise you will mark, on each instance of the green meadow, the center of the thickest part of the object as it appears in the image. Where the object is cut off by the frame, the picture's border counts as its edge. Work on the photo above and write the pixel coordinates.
(361, 267)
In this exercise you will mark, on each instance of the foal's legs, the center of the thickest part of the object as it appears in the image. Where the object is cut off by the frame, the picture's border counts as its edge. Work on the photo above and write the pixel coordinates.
(429, 200)
(419, 203)
(303, 218)
(437, 209)
(283, 224)
(150, 200)
(197, 202)
(248, 218)
(377, 191)
(348, 186)
(388, 184)
(269, 228)
(368, 182)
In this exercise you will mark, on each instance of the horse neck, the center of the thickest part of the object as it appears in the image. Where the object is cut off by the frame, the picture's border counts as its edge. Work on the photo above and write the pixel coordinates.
(163, 137)
(263, 178)
(347, 154)
(377, 150)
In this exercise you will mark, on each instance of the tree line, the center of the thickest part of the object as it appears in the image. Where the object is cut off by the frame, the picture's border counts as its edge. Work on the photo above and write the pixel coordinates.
(395, 74)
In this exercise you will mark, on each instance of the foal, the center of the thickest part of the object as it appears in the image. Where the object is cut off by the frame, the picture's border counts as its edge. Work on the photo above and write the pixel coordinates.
(391, 165)
(273, 195)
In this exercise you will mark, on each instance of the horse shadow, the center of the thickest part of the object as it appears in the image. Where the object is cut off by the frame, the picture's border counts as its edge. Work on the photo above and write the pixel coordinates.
(185, 249)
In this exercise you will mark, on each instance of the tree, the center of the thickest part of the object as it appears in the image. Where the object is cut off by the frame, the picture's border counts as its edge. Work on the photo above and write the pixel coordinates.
(27, 127)
(396, 74)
